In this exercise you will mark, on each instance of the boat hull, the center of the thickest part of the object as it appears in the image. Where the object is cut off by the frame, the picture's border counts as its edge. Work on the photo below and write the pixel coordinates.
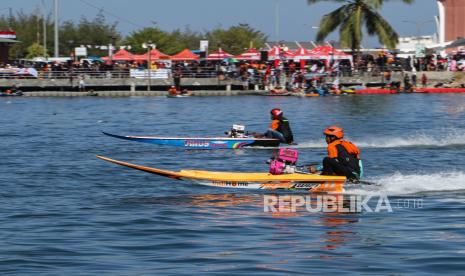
(178, 96)
(439, 90)
(271, 94)
(11, 94)
(249, 180)
(375, 91)
(202, 143)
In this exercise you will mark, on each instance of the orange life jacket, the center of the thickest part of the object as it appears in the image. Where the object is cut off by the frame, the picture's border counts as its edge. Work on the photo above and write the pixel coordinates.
(350, 148)
(173, 91)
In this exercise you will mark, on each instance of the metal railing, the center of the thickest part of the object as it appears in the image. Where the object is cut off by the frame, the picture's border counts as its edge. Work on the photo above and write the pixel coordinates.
(200, 72)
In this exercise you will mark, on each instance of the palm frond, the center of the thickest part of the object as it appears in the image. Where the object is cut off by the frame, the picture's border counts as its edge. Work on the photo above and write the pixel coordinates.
(346, 34)
(310, 2)
(351, 17)
(377, 25)
(351, 29)
(331, 21)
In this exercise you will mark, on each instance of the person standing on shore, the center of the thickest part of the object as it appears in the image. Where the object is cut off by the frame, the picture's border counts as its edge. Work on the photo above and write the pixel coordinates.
(177, 75)
(414, 80)
(406, 81)
(82, 84)
(424, 80)
(387, 76)
(245, 80)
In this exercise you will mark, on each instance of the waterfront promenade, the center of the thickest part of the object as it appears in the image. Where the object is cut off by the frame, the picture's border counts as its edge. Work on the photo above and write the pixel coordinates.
(209, 86)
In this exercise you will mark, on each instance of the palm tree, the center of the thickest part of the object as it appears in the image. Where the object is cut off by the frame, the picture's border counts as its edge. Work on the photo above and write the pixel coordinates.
(351, 17)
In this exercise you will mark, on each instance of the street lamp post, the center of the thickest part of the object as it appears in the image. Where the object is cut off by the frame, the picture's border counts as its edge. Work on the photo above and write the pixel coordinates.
(313, 28)
(44, 29)
(277, 20)
(149, 67)
(110, 48)
(71, 50)
(57, 52)
(419, 25)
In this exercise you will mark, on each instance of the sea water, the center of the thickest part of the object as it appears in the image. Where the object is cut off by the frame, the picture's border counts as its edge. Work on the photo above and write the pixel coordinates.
(65, 212)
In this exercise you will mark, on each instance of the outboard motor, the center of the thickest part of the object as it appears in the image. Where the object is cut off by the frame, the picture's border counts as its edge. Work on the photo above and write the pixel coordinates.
(284, 161)
(237, 131)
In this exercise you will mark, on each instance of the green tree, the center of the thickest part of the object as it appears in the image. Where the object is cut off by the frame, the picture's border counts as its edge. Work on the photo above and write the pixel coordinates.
(35, 50)
(235, 39)
(351, 17)
(68, 37)
(153, 35)
(184, 39)
(28, 29)
(96, 32)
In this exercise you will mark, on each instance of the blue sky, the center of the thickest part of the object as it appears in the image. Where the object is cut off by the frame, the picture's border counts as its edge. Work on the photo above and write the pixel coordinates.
(296, 17)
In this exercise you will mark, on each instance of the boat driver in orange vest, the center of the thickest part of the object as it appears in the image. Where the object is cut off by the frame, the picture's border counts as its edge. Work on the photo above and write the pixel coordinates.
(343, 156)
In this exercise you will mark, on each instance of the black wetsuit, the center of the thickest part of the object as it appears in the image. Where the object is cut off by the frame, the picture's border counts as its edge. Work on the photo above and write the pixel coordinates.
(285, 129)
(345, 164)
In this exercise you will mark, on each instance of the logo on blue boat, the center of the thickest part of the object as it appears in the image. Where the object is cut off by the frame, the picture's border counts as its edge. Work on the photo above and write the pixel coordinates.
(197, 144)
(219, 144)
(205, 144)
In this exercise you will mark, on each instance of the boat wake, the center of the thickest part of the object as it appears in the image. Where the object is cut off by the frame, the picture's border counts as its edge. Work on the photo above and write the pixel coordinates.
(451, 139)
(408, 184)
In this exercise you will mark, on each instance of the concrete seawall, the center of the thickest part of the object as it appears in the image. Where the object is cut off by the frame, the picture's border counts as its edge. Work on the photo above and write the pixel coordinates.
(139, 86)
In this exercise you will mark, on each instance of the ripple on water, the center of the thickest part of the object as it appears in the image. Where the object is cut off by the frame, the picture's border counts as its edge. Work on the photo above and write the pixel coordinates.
(66, 212)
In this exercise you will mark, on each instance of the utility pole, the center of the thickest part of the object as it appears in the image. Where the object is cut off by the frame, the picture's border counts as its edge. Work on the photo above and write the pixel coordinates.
(277, 20)
(44, 26)
(150, 46)
(149, 67)
(110, 49)
(57, 52)
(419, 25)
(10, 19)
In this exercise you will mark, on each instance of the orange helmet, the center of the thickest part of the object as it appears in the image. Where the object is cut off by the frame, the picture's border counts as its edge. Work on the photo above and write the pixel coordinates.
(334, 131)
(276, 112)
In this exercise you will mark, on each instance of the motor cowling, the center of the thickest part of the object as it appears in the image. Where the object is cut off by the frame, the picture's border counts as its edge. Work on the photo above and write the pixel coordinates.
(284, 161)
(237, 131)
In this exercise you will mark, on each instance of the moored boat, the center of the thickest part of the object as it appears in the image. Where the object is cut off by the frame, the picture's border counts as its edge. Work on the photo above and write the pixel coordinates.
(375, 91)
(439, 90)
(12, 94)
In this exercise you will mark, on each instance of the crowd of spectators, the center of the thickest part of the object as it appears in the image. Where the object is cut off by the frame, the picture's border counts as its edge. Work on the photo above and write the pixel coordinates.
(248, 71)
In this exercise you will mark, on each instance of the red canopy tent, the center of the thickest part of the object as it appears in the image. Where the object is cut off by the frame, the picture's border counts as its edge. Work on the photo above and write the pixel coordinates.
(154, 55)
(251, 54)
(219, 55)
(328, 52)
(277, 53)
(302, 53)
(185, 54)
(122, 54)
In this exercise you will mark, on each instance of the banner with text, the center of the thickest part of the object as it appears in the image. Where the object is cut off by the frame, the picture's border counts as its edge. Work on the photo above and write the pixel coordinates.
(154, 74)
